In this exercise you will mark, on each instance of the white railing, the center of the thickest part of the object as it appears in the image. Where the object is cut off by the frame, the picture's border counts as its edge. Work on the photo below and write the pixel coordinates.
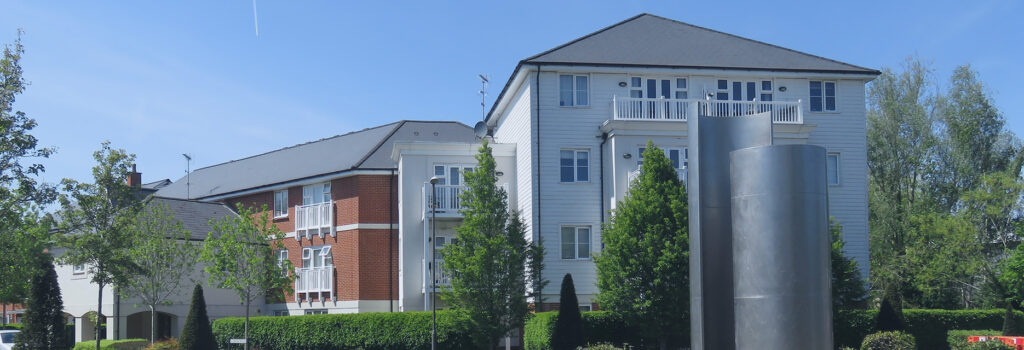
(448, 201)
(319, 280)
(782, 112)
(315, 218)
(632, 108)
(444, 279)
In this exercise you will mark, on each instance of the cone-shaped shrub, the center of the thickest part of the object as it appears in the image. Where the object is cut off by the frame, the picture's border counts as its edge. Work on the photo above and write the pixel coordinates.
(197, 334)
(890, 313)
(568, 333)
(44, 313)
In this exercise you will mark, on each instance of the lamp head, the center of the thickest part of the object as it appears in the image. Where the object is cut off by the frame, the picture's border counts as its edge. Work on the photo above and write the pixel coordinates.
(434, 180)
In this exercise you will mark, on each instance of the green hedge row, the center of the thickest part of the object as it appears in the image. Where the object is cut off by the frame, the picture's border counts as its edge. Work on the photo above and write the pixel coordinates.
(105, 344)
(16, 326)
(598, 327)
(957, 338)
(928, 327)
(377, 330)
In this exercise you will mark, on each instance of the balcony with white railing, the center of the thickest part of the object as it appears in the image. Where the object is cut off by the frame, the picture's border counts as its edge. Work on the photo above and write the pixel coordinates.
(667, 109)
(443, 278)
(314, 281)
(317, 218)
(448, 202)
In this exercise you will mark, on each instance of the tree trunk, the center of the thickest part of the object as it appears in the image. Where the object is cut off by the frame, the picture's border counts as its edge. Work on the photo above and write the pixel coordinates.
(99, 313)
(246, 336)
(152, 324)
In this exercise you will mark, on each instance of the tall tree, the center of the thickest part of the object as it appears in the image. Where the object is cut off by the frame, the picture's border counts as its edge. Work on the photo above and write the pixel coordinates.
(643, 270)
(848, 288)
(240, 256)
(20, 192)
(98, 221)
(489, 262)
(197, 333)
(165, 259)
(568, 333)
(44, 313)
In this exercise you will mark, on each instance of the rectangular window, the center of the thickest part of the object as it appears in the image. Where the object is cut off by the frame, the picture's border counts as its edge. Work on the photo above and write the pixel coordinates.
(681, 93)
(78, 269)
(316, 312)
(832, 168)
(573, 90)
(575, 242)
(280, 312)
(316, 193)
(281, 204)
(823, 96)
(282, 256)
(586, 308)
(575, 165)
(316, 257)
(678, 156)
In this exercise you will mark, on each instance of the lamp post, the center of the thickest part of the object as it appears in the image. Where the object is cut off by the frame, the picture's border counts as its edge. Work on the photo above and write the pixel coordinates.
(433, 261)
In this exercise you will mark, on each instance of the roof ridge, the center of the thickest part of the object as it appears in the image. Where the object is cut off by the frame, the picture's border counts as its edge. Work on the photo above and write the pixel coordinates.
(189, 200)
(380, 143)
(757, 41)
(585, 36)
(297, 145)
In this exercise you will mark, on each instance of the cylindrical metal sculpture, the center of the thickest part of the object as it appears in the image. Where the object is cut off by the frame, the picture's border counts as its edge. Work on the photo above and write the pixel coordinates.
(711, 138)
(780, 248)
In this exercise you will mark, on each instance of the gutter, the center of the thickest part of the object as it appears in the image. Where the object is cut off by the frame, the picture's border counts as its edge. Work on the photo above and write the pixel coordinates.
(604, 138)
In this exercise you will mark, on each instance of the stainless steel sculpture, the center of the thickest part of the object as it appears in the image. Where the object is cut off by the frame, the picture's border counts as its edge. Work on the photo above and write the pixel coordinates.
(711, 138)
(781, 248)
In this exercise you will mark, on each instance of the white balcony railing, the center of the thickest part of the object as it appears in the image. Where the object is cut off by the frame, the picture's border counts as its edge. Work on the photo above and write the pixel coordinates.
(448, 202)
(313, 219)
(444, 279)
(631, 108)
(318, 281)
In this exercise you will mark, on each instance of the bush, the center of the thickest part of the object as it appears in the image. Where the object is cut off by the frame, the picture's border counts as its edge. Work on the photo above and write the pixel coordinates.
(568, 333)
(375, 330)
(15, 326)
(106, 344)
(197, 334)
(166, 344)
(957, 338)
(598, 327)
(888, 341)
(928, 327)
(988, 345)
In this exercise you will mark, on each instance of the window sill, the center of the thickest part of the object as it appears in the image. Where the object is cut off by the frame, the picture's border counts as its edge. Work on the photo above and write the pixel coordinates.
(575, 107)
(282, 217)
(825, 112)
(575, 182)
(584, 259)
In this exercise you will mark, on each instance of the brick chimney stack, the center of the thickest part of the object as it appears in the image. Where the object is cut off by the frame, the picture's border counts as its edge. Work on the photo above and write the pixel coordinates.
(134, 178)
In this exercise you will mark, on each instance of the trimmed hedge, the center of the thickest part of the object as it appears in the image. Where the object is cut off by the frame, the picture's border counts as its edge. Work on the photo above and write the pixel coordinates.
(928, 327)
(106, 344)
(957, 338)
(375, 330)
(893, 340)
(15, 326)
(599, 327)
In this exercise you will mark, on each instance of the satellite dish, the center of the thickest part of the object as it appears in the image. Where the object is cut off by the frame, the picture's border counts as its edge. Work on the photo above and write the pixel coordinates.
(480, 129)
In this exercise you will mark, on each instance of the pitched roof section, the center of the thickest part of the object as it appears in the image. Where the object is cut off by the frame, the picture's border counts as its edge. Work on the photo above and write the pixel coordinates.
(195, 216)
(364, 149)
(649, 40)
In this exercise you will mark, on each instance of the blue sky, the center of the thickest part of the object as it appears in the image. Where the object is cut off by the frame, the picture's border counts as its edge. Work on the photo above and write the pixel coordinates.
(165, 78)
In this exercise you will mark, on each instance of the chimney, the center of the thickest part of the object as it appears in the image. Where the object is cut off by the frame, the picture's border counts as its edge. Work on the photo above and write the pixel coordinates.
(134, 178)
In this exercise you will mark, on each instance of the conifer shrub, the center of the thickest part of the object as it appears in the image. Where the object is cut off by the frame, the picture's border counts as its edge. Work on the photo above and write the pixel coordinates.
(197, 333)
(44, 324)
(568, 332)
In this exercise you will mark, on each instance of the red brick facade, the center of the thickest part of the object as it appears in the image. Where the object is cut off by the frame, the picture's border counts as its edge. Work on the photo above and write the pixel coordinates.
(360, 255)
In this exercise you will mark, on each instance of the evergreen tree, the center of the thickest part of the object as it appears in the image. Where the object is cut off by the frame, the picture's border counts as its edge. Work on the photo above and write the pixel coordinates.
(643, 270)
(848, 289)
(197, 334)
(44, 313)
(568, 333)
(890, 314)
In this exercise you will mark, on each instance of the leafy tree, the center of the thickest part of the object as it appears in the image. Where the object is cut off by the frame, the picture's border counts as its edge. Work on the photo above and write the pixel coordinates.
(489, 261)
(19, 190)
(848, 289)
(568, 333)
(197, 333)
(643, 270)
(946, 258)
(44, 313)
(240, 256)
(165, 259)
(99, 221)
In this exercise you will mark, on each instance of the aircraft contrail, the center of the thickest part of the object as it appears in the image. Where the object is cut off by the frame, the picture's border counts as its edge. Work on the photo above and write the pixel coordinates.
(255, 20)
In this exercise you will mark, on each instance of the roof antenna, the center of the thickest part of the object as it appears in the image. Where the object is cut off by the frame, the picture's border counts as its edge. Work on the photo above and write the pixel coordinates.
(188, 176)
(483, 94)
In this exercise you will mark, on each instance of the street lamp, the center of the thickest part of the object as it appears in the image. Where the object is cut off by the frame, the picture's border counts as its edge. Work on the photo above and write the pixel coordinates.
(433, 261)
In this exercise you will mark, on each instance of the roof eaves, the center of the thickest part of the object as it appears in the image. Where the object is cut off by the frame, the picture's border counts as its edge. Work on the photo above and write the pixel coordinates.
(629, 65)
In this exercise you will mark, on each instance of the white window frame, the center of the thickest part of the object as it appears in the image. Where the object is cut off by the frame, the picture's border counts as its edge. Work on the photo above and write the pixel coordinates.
(576, 92)
(638, 86)
(323, 256)
(317, 193)
(586, 307)
(575, 164)
(280, 313)
(282, 256)
(839, 160)
(462, 169)
(762, 92)
(78, 269)
(576, 244)
(280, 204)
(315, 312)
(824, 96)
(684, 155)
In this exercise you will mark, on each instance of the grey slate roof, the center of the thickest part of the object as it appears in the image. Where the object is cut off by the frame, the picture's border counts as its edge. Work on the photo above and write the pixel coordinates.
(649, 40)
(195, 216)
(364, 149)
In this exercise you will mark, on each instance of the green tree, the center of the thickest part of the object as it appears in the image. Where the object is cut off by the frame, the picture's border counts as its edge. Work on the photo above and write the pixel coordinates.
(568, 333)
(848, 289)
(643, 270)
(20, 192)
(240, 256)
(197, 333)
(946, 258)
(489, 262)
(99, 220)
(44, 313)
(165, 259)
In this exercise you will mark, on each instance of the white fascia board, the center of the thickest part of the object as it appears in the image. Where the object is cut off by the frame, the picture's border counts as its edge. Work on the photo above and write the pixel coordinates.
(306, 181)
(449, 149)
(517, 82)
(723, 73)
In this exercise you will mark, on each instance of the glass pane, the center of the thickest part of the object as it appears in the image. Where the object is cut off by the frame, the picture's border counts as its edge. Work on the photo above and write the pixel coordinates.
(582, 166)
(453, 176)
(666, 87)
(566, 163)
(568, 243)
(723, 85)
(833, 169)
(830, 89)
(584, 239)
(636, 81)
(722, 96)
(830, 103)
(815, 103)
(440, 242)
(439, 170)
(680, 83)
(566, 174)
(737, 91)
(636, 93)
(307, 195)
(766, 97)
(766, 85)
(830, 96)
(652, 88)
(327, 193)
(673, 155)
(681, 95)
(565, 90)
(640, 156)
(582, 95)
(815, 89)
(751, 91)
